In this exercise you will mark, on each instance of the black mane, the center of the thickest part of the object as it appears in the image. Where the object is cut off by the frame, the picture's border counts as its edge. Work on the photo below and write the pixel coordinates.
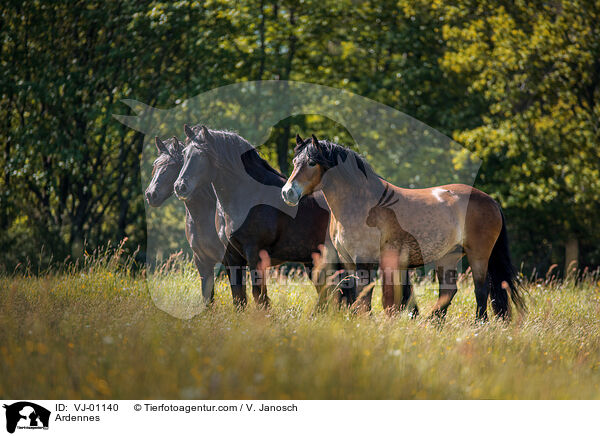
(256, 167)
(260, 170)
(330, 154)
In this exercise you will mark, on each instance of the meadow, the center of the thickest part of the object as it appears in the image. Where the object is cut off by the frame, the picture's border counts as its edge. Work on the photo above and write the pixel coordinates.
(94, 331)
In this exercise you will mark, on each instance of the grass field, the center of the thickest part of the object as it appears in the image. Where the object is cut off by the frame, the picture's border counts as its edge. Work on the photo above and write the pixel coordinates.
(96, 333)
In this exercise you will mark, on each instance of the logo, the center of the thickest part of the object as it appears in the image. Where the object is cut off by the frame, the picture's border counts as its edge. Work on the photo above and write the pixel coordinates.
(26, 415)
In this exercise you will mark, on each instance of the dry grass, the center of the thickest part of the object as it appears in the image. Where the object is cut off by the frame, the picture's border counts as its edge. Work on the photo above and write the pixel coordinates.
(96, 333)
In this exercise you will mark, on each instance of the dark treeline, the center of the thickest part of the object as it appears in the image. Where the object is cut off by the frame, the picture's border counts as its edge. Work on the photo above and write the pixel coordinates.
(515, 82)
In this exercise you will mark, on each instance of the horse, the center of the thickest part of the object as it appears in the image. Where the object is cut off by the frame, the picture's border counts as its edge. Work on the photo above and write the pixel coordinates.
(439, 224)
(201, 219)
(260, 228)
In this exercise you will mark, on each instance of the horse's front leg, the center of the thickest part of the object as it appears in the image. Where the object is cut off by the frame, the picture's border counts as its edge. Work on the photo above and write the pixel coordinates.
(206, 270)
(365, 274)
(389, 280)
(397, 292)
(258, 263)
(408, 299)
(330, 281)
(235, 267)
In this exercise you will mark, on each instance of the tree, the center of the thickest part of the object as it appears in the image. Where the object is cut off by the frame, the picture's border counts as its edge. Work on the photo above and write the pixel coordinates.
(538, 66)
(70, 172)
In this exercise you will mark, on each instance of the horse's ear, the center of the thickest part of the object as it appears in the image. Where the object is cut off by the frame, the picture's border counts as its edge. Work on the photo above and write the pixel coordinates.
(299, 140)
(189, 132)
(206, 134)
(160, 146)
(177, 144)
(315, 142)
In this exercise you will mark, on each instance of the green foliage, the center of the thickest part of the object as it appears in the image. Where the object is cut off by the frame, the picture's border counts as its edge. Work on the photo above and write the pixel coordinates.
(537, 65)
(516, 83)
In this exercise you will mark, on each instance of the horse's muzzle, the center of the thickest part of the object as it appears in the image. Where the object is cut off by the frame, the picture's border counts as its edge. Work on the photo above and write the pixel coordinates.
(291, 194)
(151, 197)
(181, 190)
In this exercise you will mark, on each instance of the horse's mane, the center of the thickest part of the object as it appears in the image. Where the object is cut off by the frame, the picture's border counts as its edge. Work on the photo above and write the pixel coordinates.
(331, 154)
(232, 146)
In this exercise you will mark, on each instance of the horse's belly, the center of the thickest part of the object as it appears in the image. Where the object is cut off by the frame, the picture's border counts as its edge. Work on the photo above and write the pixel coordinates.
(435, 245)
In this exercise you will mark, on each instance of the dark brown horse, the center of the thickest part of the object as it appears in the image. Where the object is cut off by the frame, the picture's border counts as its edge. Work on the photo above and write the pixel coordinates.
(438, 224)
(200, 220)
(260, 228)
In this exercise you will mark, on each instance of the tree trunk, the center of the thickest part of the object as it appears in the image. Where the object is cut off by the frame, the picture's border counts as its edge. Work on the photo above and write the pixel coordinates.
(284, 137)
(571, 254)
(283, 146)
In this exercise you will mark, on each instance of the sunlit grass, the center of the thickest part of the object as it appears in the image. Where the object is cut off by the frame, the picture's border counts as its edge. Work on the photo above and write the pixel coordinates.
(96, 332)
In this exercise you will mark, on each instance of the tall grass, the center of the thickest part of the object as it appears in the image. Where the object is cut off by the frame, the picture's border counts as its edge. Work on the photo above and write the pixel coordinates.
(94, 330)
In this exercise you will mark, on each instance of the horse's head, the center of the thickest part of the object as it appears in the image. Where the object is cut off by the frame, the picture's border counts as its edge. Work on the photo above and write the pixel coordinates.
(309, 167)
(198, 166)
(165, 170)
(382, 211)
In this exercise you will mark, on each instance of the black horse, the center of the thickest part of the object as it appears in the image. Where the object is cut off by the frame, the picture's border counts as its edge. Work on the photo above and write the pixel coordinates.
(201, 221)
(260, 229)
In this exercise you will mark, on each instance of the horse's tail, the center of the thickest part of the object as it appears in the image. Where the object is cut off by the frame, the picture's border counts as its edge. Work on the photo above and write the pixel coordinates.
(503, 277)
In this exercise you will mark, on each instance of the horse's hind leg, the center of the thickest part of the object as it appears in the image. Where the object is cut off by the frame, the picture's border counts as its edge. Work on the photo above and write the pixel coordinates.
(258, 263)
(447, 275)
(483, 224)
(235, 267)
(482, 291)
(479, 257)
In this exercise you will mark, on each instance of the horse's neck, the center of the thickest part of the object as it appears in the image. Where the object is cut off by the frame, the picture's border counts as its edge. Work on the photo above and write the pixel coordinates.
(202, 204)
(231, 185)
(238, 193)
(351, 200)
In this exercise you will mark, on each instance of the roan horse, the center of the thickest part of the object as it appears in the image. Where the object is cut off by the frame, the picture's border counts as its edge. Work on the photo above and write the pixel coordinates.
(438, 224)
(260, 229)
(200, 220)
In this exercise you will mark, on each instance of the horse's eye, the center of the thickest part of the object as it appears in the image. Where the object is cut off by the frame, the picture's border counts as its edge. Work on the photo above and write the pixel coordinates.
(311, 163)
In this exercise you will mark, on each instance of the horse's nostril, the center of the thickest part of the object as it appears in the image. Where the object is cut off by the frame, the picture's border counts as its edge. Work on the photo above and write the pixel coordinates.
(289, 195)
(180, 188)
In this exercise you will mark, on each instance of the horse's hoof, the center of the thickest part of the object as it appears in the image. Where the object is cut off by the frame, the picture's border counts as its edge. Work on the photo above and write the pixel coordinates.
(391, 311)
(437, 314)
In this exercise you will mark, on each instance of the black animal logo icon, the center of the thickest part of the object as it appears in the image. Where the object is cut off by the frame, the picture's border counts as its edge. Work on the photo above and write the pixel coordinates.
(26, 414)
